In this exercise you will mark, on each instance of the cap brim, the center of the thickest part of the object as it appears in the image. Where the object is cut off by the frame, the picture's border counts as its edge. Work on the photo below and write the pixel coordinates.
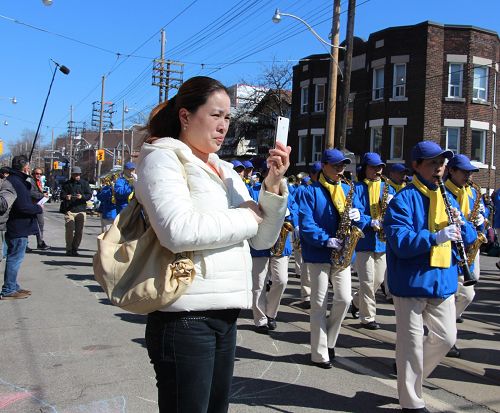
(376, 164)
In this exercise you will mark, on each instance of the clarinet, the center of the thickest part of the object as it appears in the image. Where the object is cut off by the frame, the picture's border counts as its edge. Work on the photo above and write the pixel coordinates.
(469, 278)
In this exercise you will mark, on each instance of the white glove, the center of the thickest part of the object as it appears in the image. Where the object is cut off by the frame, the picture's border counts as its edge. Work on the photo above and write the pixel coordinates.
(389, 197)
(334, 243)
(457, 217)
(479, 220)
(450, 233)
(481, 207)
(134, 175)
(354, 214)
(375, 223)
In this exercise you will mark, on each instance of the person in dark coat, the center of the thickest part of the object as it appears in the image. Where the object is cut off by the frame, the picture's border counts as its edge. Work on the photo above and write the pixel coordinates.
(37, 193)
(7, 197)
(22, 222)
(75, 193)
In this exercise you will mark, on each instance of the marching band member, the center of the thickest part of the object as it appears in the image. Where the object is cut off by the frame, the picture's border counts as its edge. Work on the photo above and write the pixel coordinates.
(457, 184)
(300, 265)
(398, 175)
(374, 195)
(322, 205)
(422, 270)
(239, 168)
(124, 187)
(247, 173)
(267, 296)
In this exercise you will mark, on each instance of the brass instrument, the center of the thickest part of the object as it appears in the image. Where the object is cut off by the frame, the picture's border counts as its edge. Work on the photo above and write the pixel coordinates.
(469, 278)
(383, 208)
(279, 246)
(481, 238)
(346, 232)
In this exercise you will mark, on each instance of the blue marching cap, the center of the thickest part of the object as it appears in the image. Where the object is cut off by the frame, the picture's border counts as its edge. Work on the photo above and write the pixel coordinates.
(334, 156)
(130, 165)
(237, 164)
(305, 180)
(315, 167)
(399, 167)
(247, 164)
(372, 159)
(462, 162)
(429, 150)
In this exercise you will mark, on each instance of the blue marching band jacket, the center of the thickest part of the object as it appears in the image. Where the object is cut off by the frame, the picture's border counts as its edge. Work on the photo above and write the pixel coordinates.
(409, 243)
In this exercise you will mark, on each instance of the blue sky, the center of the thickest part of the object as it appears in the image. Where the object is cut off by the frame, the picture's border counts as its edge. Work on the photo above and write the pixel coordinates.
(232, 40)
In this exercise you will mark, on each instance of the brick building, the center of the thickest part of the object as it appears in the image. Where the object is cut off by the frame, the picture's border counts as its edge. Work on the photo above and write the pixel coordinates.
(427, 81)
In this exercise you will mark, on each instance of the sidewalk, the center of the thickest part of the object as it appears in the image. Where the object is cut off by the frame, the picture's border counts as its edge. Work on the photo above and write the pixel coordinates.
(66, 350)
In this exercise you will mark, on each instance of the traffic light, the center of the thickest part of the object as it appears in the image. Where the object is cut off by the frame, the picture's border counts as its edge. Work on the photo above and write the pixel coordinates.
(100, 154)
(56, 165)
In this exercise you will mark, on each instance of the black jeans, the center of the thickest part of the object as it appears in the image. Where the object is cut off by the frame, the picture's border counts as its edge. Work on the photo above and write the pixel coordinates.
(193, 357)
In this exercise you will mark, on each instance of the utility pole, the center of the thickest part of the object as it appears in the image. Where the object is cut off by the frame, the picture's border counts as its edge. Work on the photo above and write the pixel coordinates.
(52, 153)
(162, 58)
(101, 114)
(123, 135)
(332, 95)
(70, 140)
(347, 73)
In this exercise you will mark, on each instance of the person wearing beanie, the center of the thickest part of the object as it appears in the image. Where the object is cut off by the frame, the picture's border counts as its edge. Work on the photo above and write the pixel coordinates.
(458, 186)
(422, 269)
(370, 263)
(322, 206)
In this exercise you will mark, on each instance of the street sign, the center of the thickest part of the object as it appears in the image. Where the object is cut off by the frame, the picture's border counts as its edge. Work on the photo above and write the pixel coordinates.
(100, 154)
(56, 165)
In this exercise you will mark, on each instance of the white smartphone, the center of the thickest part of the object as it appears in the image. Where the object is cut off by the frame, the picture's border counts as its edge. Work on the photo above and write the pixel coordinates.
(281, 132)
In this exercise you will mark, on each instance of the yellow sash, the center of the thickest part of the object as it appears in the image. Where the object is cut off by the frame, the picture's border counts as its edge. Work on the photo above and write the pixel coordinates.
(396, 187)
(462, 194)
(336, 193)
(437, 219)
(374, 197)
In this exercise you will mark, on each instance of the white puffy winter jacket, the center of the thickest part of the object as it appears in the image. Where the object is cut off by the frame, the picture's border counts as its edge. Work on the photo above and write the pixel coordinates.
(202, 216)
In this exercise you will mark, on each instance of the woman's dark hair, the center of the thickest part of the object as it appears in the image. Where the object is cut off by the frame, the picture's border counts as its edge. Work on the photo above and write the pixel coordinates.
(194, 92)
(19, 162)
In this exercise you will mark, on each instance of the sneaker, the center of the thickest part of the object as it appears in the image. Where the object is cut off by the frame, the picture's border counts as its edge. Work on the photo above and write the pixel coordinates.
(323, 364)
(454, 352)
(262, 329)
(420, 410)
(28, 250)
(14, 296)
(460, 320)
(372, 325)
(43, 246)
(22, 291)
(271, 323)
(354, 311)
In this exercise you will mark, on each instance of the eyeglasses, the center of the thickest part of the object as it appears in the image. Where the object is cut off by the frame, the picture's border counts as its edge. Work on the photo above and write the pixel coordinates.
(38, 173)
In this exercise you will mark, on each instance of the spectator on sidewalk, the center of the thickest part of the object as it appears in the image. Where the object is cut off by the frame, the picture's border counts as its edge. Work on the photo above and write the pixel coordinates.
(124, 187)
(21, 223)
(7, 197)
(37, 193)
(75, 194)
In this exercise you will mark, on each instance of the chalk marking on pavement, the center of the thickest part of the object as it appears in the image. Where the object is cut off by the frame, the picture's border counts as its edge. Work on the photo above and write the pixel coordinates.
(115, 405)
(8, 399)
(147, 400)
(42, 402)
(431, 401)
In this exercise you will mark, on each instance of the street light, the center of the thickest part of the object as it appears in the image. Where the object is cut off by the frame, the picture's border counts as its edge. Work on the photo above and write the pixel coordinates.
(125, 109)
(334, 66)
(47, 2)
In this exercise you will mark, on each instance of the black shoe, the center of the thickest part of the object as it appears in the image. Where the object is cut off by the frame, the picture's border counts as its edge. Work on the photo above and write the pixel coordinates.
(372, 325)
(420, 410)
(262, 329)
(306, 305)
(69, 253)
(460, 320)
(43, 246)
(75, 253)
(454, 352)
(28, 250)
(271, 323)
(382, 287)
(498, 264)
(395, 368)
(323, 364)
(268, 286)
(354, 311)
(331, 353)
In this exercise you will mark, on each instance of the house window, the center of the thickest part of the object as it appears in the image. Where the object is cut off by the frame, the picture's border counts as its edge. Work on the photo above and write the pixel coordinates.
(455, 78)
(378, 83)
(453, 140)
(480, 91)
(304, 99)
(397, 134)
(376, 139)
(478, 147)
(317, 145)
(493, 138)
(399, 81)
(495, 89)
(301, 156)
(319, 98)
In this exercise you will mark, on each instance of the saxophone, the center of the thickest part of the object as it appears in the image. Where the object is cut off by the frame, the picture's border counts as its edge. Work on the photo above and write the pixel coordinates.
(481, 238)
(348, 233)
(279, 246)
(383, 208)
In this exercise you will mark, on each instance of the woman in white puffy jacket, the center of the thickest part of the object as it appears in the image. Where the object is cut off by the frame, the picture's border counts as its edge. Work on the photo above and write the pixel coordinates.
(196, 202)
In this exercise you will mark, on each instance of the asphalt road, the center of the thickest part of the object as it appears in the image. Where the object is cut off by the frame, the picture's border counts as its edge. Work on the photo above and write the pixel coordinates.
(66, 350)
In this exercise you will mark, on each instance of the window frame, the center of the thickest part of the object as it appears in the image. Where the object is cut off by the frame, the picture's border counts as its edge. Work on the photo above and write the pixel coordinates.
(304, 95)
(378, 92)
(316, 101)
(461, 82)
(459, 133)
(301, 150)
(393, 129)
(396, 85)
(482, 146)
(474, 88)
(372, 137)
(316, 154)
